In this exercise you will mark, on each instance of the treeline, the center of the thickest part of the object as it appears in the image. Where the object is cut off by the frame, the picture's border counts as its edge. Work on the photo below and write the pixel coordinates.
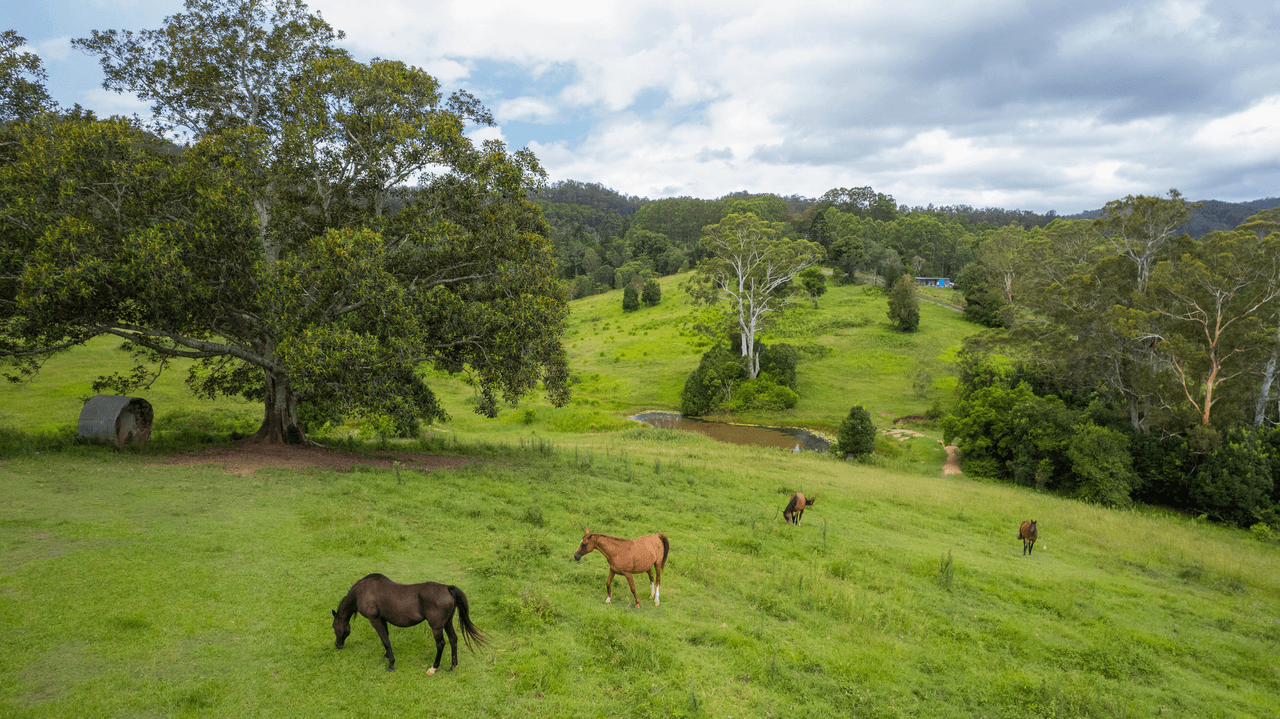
(1127, 361)
(605, 240)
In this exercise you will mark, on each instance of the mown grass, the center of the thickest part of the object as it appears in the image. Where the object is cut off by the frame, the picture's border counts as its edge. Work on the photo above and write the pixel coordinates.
(132, 588)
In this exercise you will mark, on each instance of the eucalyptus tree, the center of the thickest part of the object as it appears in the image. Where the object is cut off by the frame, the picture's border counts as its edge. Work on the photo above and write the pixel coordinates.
(267, 249)
(1139, 227)
(750, 264)
(22, 77)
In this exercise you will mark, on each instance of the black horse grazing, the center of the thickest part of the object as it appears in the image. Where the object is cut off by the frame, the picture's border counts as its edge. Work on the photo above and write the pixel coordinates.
(383, 601)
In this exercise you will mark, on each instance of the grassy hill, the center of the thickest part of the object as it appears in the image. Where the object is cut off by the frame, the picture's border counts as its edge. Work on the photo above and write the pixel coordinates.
(130, 587)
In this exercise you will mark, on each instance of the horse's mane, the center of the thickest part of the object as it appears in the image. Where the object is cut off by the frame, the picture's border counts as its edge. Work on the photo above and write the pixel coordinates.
(347, 607)
(791, 506)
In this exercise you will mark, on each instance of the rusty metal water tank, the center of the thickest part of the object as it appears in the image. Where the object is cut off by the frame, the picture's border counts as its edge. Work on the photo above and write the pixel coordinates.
(116, 419)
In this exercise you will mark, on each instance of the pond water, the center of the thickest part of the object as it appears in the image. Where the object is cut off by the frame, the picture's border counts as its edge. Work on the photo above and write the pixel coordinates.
(778, 437)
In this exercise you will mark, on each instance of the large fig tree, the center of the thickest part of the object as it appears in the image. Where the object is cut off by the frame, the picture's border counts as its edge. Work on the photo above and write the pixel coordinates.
(325, 229)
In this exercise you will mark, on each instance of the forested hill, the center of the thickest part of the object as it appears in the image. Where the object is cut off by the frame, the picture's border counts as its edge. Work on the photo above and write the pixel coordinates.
(593, 206)
(1210, 216)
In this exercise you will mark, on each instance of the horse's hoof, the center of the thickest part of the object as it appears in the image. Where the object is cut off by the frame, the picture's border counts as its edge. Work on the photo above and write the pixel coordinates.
(431, 671)
(655, 602)
(391, 669)
(608, 600)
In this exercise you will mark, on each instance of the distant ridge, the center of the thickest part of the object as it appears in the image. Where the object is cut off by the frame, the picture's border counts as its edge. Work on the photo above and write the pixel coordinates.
(1210, 216)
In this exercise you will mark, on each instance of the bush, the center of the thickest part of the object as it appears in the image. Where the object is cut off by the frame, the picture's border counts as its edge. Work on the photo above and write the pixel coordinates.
(762, 393)
(1101, 464)
(857, 434)
(630, 299)
(779, 362)
(904, 308)
(718, 373)
(1234, 483)
(652, 293)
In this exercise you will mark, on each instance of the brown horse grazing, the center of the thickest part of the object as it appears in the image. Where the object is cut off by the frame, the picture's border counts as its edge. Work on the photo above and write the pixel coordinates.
(795, 508)
(383, 601)
(625, 557)
(1027, 533)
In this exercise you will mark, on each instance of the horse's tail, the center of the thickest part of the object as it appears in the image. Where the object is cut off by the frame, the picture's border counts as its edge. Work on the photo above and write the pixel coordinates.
(666, 548)
(470, 632)
(791, 506)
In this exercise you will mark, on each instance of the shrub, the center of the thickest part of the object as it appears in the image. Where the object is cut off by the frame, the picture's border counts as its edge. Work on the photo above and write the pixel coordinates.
(1234, 483)
(904, 308)
(630, 299)
(857, 434)
(718, 373)
(652, 293)
(762, 393)
(779, 362)
(1101, 464)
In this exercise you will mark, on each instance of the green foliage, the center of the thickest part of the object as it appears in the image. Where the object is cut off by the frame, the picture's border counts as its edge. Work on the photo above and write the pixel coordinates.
(814, 283)
(630, 299)
(779, 362)
(22, 78)
(652, 293)
(1102, 465)
(719, 372)
(762, 393)
(750, 265)
(904, 308)
(857, 435)
(280, 248)
(1234, 483)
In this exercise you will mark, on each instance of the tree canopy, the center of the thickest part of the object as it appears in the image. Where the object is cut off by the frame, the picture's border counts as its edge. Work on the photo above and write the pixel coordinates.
(328, 228)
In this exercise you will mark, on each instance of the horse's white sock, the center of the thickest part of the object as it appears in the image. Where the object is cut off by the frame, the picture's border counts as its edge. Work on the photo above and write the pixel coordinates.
(608, 600)
(656, 592)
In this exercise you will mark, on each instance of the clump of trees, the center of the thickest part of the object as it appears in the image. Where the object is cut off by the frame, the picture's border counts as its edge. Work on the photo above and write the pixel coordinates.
(721, 381)
(280, 248)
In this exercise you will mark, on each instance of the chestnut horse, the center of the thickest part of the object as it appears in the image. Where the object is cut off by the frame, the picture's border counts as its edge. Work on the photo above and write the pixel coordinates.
(383, 601)
(1027, 533)
(626, 557)
(795, 508)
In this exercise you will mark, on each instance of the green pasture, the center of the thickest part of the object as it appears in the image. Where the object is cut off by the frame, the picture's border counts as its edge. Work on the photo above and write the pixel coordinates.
(632, 361)
(133, 588)
(130, 587)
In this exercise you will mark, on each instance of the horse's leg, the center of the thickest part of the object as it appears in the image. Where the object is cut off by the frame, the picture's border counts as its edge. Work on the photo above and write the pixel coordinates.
(632, 583)
(453, 643)
(608, 588)
(652, 587)
(657, 587)
(438, 633)
(380, 627)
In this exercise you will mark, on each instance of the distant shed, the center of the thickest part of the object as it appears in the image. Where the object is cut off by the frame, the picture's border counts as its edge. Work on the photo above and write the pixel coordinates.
(116, 419)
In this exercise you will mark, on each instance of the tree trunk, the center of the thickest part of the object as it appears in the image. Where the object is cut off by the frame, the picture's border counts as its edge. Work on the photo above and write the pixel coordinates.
(1268, 376)
(280, 414)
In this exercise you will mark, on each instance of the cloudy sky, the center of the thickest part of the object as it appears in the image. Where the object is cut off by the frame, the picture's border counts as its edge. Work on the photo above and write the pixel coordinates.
(1023, 105)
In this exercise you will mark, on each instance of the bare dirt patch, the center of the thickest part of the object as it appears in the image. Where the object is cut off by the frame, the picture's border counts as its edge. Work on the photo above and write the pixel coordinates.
(246, 458)
(953, 460)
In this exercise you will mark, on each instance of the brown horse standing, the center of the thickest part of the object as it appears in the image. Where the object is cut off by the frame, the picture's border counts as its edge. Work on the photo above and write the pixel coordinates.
(404, 605)
(1027, 533)
(626, 557)
(795, 508)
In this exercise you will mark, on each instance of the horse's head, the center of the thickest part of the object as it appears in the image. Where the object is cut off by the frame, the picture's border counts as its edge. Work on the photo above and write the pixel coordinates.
(341, 628)
(588, 545)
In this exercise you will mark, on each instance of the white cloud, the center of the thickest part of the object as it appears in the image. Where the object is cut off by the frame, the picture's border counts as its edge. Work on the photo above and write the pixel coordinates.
(1038, 105)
